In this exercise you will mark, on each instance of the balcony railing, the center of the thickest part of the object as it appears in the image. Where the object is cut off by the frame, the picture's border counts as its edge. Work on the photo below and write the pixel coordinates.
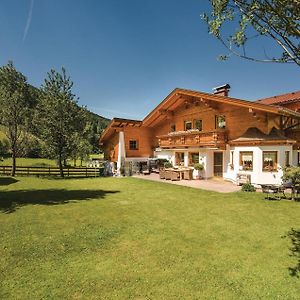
(215, 139)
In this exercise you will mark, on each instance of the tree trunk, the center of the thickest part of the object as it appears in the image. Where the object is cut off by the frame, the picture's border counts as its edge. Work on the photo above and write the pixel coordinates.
(13, 169)
(65, 162)
(74, 162)
(61, 170)
(81, 162)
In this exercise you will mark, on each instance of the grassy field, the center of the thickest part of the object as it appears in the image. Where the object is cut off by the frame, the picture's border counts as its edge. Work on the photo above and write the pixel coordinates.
(125, 238)
(31, 162)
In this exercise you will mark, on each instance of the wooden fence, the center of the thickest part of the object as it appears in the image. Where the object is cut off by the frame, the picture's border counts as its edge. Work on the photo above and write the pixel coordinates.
(53, 171)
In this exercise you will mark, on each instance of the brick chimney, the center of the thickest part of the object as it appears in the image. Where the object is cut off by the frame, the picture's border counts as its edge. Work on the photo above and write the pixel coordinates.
(222, 90)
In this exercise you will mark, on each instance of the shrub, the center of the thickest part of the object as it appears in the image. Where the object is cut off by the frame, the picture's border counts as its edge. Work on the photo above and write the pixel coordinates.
(248, 187)
(161, 162)
(167, 164)
(199, 167)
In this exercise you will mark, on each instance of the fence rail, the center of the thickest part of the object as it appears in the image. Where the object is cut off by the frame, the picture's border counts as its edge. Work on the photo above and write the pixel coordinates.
(52, 171)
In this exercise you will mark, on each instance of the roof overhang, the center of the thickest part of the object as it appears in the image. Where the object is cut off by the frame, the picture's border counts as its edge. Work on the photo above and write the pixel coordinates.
(261, 142)
(116, 125)
(176, 97)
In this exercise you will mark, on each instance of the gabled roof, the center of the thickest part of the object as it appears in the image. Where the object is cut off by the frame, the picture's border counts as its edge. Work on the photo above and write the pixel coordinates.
(173, 100)
(281, 99)
(118, 123)
(177, 98)
(254, 135)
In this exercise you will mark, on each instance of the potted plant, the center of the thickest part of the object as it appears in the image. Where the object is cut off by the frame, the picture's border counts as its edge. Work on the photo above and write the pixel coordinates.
(199, 167)
(167, 165)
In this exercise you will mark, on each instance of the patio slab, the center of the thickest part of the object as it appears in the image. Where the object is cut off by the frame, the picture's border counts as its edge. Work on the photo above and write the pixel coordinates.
(216, 185)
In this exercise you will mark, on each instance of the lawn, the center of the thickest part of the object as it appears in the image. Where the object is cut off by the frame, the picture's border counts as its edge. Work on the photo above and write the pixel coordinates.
(125, 238)
(34, 162)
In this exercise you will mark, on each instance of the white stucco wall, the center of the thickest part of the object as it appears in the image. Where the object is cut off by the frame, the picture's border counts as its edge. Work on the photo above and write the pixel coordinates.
(258, 176)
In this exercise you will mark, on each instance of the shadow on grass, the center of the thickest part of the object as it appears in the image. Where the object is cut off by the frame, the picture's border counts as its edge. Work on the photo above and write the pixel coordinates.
(7, 180)
(12, 200)
(294, 235)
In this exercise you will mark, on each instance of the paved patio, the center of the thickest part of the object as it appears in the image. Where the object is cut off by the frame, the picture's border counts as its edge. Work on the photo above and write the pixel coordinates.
(216, 185)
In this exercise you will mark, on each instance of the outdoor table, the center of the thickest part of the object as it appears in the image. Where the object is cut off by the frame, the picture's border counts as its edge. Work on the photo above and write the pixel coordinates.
(178, 170)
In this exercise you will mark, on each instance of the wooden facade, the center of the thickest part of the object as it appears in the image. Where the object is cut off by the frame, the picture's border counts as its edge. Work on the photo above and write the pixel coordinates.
(188, 119)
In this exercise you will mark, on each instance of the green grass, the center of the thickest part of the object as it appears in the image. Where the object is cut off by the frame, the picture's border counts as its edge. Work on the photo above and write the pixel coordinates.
(29, 162)
(126, 238)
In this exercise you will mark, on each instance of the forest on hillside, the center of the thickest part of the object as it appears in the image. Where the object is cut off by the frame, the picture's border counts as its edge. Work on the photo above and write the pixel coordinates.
(46, 121)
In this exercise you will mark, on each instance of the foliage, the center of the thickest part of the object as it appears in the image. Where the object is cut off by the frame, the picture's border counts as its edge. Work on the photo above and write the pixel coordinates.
(248, 187)
(81, 148)
(4, 147)
(58, 117)
(15, 103)
(278, 20)
(161, 162)
(199, 167)
(294, 235)
(291, 174)
(97, 126)
(168, 164)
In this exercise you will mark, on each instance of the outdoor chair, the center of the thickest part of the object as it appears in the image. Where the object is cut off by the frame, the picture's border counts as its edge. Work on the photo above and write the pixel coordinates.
(168, 174)
(175, 176)
(162, 174)
(145, 169)
(188, 174)
(277, 191)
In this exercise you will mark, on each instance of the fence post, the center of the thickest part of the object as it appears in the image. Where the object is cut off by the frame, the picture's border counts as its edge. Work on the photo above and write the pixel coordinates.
(68, 172)
(86, 172)
(27, 171)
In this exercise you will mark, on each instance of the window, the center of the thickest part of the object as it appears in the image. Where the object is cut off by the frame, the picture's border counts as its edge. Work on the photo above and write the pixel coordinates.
(187, 125)
(198, 124)
(269, 161)
(179, 158)
(246, 160)
(173, 128)
(220, 122)
(133, 145)
(287, 158)
(193, 158)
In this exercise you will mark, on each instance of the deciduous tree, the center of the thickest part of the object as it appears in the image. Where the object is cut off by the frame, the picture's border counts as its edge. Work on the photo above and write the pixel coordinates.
(278, 20)
(15, 107)
(58, 115)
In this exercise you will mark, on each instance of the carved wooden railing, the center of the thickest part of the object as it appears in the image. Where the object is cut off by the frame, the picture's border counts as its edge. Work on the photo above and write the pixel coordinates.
(216, 138)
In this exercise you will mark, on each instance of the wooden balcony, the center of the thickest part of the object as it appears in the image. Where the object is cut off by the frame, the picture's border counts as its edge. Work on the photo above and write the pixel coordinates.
(183, 139)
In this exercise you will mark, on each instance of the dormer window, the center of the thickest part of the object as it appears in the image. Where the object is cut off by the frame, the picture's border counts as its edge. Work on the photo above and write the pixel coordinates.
(188, 125)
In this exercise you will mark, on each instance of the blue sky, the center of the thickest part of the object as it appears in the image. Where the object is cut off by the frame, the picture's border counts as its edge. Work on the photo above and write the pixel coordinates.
(126, 56)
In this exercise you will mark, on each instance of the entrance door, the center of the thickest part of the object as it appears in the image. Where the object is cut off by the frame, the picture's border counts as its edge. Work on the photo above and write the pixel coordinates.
(218, 164)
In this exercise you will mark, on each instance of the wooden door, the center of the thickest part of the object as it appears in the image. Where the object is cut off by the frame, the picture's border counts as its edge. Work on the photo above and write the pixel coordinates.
(218, 164)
